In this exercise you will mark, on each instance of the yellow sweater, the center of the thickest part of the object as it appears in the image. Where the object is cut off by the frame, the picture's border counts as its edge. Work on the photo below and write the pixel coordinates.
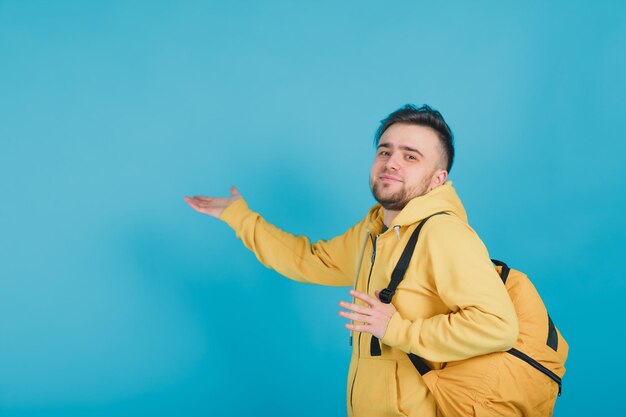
(451, 304)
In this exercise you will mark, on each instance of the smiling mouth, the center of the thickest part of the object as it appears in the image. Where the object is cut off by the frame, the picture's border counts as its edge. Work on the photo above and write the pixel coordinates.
(385, 178)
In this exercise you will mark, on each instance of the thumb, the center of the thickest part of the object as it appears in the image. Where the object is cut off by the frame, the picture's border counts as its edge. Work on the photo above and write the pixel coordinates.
(234, 192)
(377, 293)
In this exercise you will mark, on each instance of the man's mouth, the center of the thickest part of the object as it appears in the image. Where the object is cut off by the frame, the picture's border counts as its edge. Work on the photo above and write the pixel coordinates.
(389, 178)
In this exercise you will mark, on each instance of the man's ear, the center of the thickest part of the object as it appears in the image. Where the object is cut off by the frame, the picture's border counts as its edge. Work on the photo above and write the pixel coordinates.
(439, 177)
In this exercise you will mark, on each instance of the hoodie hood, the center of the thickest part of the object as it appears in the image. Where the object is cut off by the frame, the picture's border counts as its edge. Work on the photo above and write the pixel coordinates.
(442, 198)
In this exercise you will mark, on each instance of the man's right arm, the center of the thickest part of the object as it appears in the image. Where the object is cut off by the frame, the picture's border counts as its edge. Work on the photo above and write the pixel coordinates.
(329, 262)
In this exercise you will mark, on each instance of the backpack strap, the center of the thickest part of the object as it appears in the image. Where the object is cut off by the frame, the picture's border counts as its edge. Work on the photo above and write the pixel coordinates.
(504, 273)
(398, 273)
(552, 342)
(396, 277)
(418, 363)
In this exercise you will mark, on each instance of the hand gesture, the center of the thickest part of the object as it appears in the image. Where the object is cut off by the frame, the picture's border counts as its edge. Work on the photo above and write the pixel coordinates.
(375, 317)
(212, 206)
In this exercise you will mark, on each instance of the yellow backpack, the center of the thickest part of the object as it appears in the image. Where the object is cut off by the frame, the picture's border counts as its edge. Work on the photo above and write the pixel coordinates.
(523, 381)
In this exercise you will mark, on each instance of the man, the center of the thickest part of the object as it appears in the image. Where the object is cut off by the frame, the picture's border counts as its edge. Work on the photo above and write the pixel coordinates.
(451, 304)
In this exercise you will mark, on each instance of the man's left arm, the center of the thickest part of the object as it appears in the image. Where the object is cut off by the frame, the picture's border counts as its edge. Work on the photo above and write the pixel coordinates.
(482, 318)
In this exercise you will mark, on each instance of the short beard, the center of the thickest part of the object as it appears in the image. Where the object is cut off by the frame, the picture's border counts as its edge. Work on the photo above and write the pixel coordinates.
(400, 199)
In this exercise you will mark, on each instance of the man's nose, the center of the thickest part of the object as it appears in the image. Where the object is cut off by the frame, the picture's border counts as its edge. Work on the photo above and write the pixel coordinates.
(392, 163)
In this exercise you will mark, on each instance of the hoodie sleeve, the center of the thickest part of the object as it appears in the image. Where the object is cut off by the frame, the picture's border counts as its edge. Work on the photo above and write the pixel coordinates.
(481, 316)
(329, 262)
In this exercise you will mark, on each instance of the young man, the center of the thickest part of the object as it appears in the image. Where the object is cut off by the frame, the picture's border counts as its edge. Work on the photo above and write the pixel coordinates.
(451, 304)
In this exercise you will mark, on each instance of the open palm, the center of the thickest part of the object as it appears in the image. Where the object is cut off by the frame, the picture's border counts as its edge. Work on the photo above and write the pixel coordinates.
(211, 205)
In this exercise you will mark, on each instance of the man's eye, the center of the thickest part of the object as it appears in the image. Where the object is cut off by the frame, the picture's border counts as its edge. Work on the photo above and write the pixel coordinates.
(383, 153)
(410, 157)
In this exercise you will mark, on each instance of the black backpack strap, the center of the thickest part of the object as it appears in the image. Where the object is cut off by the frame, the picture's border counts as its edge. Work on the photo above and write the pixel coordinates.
(419, 364)
(553, 338)
(504, 273)
(396, 277)
(398, 273)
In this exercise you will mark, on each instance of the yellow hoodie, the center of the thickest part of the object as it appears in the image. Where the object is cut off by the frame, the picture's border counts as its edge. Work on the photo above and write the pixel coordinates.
(451, 304)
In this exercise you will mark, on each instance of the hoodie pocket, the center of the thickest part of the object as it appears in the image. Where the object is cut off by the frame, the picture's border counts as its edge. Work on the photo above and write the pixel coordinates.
(375, 391)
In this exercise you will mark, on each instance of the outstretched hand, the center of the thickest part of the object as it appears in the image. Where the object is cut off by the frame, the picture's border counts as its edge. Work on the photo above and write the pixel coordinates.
(375, 317)
(212, 206)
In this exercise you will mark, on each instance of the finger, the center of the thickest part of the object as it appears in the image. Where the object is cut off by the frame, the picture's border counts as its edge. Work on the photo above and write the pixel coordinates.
(355, 307)
(356, 317)
(233, 191)
(203, 201)
(195, 203)
(202, 198)
(199, 206)
(190, 201)
(364, 297)
(357, 327)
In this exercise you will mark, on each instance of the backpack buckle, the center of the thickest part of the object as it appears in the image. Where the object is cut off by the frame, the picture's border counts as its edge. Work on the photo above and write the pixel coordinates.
(386, 295)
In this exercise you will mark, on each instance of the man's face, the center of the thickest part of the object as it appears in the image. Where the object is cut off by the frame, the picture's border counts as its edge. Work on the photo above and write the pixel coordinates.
(408, 164)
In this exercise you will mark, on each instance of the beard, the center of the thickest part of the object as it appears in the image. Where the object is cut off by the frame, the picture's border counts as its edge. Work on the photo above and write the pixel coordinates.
(398, 200)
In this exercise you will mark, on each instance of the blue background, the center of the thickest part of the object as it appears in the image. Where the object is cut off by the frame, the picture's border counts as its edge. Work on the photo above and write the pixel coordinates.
(116, 298)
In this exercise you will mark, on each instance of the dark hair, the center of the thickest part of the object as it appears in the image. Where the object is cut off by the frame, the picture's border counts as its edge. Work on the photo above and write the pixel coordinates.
(422, 116)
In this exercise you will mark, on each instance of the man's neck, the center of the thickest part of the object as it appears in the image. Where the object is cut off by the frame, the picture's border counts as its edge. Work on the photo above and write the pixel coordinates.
(389, 215)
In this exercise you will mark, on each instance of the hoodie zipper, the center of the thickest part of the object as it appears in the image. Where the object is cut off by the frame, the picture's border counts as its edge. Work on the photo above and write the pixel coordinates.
(369, 277)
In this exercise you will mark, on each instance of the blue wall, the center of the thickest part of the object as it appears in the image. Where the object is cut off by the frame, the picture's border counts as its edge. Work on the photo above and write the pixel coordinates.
(117, 299)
